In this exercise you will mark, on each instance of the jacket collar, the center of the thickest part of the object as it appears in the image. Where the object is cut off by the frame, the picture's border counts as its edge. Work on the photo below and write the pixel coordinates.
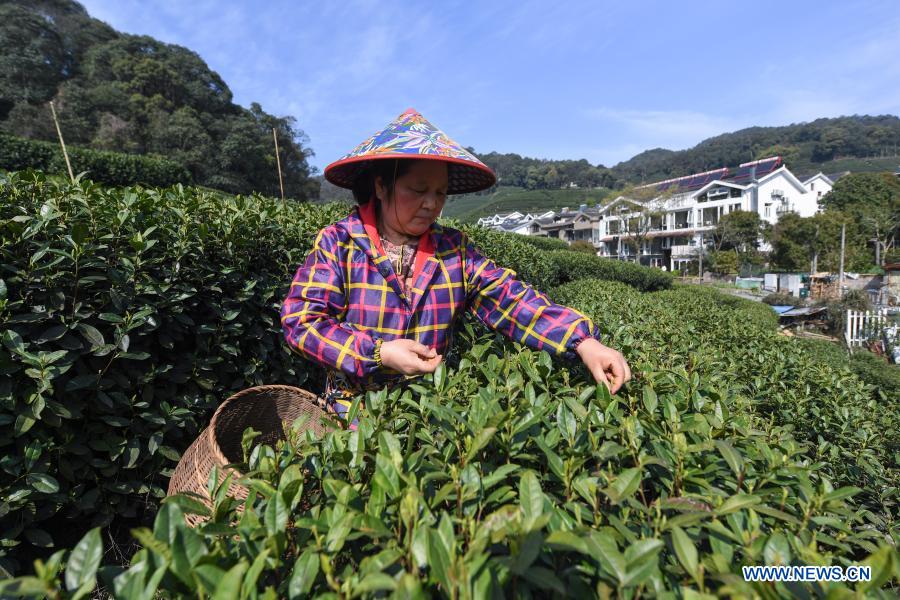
(424, 250)
(364, 231)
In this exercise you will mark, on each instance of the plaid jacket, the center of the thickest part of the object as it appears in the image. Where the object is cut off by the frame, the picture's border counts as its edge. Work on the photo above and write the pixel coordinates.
(345, 296)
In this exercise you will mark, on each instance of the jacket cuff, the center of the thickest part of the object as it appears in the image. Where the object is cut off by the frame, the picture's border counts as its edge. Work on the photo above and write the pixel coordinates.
(571, 353)
(377, 354)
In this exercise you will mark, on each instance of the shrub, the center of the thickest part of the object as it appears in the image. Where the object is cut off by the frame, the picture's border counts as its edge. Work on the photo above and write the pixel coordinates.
(582, 246)
(734, 342)
(545, 243)
(837, 309)
(127, 315)
(112, 168)
(508, 250)
(547, 269)
(875, 370)
(545, 486)
(782, 299)
(572, 266)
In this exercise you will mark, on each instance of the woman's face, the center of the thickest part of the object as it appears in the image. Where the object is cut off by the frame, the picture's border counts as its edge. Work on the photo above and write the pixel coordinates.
(418, 197)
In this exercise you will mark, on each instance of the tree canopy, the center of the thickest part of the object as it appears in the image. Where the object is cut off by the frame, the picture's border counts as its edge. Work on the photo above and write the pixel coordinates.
(872, 200)
(135, 94)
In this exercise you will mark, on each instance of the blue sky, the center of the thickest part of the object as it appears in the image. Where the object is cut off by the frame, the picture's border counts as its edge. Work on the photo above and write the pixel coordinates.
(562, 79)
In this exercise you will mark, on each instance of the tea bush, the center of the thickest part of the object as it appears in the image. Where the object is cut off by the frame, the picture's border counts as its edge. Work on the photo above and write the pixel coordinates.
(126, 315)
(530, 263)
(507, 477)
(545, 243)
(541, 262)
(113, 168)
(734, 342)
(871, 368)
(572, 266)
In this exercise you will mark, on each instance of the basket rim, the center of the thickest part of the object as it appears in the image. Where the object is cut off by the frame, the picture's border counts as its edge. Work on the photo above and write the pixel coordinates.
(213, 442)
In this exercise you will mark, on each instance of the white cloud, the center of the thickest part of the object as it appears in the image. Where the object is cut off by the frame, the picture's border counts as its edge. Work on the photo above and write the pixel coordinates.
(666, 124)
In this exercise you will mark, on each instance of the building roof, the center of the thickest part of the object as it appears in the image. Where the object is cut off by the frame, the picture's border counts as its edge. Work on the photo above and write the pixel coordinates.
(803, 311)
(781, 309)
(741, 175)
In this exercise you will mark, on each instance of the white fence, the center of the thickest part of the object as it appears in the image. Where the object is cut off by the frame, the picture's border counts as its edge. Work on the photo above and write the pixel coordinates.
(864, 326)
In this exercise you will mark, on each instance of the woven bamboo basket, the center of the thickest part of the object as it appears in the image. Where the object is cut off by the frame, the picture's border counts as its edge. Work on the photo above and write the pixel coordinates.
(267, 409)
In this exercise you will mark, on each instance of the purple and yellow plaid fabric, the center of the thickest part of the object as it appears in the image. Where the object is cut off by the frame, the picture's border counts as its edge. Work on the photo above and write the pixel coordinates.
(345, 296)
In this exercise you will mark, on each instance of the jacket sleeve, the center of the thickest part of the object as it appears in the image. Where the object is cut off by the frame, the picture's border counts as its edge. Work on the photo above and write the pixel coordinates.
(311, 315)
(519, 311)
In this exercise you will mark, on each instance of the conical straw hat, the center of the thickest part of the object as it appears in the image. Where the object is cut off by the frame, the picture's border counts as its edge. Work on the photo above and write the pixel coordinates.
(411, 136)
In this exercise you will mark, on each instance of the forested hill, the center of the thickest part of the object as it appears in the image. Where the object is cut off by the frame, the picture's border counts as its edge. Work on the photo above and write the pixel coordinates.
(805, 147)
(823, 144)
(135, 94)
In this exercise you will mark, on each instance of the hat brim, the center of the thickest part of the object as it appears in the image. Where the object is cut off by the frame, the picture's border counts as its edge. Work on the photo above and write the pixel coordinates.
(463, 176)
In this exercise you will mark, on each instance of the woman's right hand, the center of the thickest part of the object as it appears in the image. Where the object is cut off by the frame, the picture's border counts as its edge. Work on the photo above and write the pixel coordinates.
(409, 357)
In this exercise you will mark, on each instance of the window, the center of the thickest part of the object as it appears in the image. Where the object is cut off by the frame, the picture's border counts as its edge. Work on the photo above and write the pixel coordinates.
(768, 209)
(812, 186)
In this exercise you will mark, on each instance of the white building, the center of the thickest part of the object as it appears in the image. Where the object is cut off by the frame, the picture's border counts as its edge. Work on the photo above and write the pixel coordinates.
(514, 222)
(688, 209)
(497, 219)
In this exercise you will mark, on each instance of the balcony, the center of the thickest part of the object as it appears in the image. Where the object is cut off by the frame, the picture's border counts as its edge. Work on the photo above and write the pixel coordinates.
(685, 250)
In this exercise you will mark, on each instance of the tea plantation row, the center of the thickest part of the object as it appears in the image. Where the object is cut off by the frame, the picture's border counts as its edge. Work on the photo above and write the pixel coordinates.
(504, 476)
(128, 316)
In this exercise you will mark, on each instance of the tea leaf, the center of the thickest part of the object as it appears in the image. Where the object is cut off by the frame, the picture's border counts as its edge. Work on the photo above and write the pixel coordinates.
(303, 575)
(81, 568)
(686, 551)
(531, 498)
(731, 457)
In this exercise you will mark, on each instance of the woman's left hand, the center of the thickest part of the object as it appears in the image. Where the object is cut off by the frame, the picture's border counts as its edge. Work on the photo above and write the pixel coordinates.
(605, 364)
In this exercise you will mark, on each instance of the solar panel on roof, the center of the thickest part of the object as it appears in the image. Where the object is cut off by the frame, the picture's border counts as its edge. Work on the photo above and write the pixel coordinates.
(741, 175)
(768, 167)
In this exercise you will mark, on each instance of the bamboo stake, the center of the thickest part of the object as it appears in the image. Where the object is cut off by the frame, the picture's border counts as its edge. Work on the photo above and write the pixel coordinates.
(61, 142)
(278, 162)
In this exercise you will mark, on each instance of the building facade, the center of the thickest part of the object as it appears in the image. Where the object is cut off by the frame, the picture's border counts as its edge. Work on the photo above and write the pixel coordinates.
(668, 230)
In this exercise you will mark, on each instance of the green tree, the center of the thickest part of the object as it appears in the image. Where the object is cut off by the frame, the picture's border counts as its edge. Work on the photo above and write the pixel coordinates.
(725, 262)
(33, 59)
(136, 94)
(739, 230)
(814, 243)
(873, 201)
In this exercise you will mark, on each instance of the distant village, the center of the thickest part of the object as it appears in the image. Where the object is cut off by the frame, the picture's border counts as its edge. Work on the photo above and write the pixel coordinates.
(680, 214)
(673, 219)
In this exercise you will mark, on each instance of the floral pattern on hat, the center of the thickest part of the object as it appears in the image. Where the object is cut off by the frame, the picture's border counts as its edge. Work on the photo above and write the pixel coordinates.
(412, 136)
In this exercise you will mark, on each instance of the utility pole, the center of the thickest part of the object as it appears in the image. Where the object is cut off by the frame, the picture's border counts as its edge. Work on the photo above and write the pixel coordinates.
(814, 267)
(841, 273)
(700, 269)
